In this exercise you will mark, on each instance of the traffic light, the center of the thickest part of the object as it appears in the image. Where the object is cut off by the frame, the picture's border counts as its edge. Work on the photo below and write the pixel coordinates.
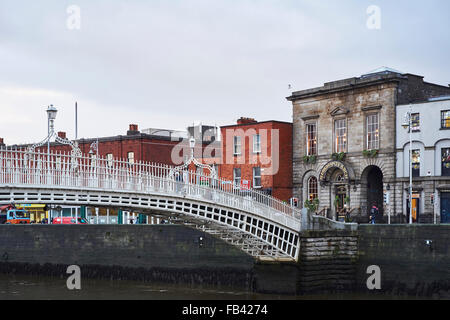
(386, 197)
(294, 202)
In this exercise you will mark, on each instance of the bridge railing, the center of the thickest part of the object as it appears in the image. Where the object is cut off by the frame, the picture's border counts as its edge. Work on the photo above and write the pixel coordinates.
(64, 170)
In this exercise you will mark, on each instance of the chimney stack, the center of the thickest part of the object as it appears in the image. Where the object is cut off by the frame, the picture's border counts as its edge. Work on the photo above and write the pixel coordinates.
(133, 130)
(62, 135)
(1, 142)
(244, 120)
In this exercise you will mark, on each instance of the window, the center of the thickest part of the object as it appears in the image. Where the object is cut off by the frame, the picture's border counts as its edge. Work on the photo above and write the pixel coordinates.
(312, 189)
(237, 176)
(445, 162)
(257, 177)
(237, 145)
(256, 143)
(109, 159)
(415, 163)
(445, 119)
(311, 139)
(340, 135)
(130, 157)
(415, 122)
(373, 132)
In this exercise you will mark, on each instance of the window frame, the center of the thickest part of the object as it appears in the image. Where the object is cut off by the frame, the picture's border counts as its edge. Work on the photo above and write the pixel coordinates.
(444, 169)
(235, 145)
(415, 128)
(234, 177)
(345, 137)
(445, 126)
(309, 193)
(257, 177)
(416, 172)
(130, 158)
(257, 142)
(368, 146)
(307, 134)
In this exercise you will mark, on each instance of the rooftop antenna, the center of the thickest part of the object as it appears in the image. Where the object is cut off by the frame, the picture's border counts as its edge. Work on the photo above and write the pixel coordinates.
(76, 120)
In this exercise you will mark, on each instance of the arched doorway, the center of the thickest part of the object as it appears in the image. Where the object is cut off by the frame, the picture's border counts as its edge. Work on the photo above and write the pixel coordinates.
(372, 179)
(340, 191)
(337, 177)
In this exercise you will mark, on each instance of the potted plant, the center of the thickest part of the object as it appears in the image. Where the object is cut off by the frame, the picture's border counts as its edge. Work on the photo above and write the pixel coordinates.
(370, 153)
(339, 156)
(347, 202)
(310, 159)
(312, 206)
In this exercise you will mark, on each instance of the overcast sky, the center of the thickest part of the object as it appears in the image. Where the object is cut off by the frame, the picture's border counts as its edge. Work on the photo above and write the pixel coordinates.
(167, 64)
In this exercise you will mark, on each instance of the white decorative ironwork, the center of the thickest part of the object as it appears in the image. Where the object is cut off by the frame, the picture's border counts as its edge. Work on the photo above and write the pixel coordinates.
(176, 171)
(51, 112)
(36, 177)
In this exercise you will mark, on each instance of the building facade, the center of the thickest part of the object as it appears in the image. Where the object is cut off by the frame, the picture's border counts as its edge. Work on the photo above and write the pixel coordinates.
(258, 155)
(430, 160)
(344, 142)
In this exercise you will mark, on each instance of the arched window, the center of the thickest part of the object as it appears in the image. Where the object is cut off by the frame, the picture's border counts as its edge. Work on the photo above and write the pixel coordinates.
(312, 189)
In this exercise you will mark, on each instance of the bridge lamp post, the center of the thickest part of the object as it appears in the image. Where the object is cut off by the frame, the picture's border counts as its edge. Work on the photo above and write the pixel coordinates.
(51, 115)
(407, 125)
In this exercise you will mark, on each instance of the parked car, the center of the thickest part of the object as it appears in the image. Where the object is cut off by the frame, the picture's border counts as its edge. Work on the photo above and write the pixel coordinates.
(68, 220)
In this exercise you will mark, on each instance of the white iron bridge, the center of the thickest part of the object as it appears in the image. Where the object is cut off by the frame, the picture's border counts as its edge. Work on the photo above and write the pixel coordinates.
(262, 226)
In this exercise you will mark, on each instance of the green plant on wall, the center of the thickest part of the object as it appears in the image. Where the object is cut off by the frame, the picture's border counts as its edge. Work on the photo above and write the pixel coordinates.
(339, 156)
(370, 153)
(347, 200)
(309, 159)
(313, 205)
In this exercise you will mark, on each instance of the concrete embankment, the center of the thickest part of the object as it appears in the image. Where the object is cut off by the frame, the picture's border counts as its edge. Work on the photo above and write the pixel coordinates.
(414, 260)
(169, 254)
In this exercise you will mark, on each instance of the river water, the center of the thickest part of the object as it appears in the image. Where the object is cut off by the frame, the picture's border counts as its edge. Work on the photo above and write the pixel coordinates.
(20, 287)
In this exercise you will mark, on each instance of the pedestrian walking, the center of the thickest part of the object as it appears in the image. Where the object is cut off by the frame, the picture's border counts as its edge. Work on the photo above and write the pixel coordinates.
(374, 213)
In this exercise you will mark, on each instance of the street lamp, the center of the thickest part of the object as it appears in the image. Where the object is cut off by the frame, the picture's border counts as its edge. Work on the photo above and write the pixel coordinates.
(51, 114)
(76, 152)
(407, 125)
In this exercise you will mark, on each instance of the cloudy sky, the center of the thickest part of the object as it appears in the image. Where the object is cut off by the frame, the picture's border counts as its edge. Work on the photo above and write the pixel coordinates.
(167, 64)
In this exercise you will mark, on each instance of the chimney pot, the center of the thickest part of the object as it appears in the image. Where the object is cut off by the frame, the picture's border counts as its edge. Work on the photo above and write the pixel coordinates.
(133, 129)
(62, 135)
(244, 120)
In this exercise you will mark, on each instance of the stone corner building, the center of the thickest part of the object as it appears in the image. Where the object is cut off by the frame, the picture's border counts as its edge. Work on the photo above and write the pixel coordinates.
(344, 142)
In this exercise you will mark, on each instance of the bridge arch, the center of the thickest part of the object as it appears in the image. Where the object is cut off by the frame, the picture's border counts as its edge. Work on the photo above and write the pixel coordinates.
(261, 225)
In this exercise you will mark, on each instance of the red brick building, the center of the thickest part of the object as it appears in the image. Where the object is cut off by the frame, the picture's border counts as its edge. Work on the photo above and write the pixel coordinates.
(258, 155)
(134, 146)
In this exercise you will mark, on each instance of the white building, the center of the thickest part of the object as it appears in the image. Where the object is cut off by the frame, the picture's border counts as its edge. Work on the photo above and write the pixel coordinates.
(430, 159)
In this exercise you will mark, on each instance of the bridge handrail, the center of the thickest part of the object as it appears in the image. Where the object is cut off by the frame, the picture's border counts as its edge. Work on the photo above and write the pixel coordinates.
(61, 169)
